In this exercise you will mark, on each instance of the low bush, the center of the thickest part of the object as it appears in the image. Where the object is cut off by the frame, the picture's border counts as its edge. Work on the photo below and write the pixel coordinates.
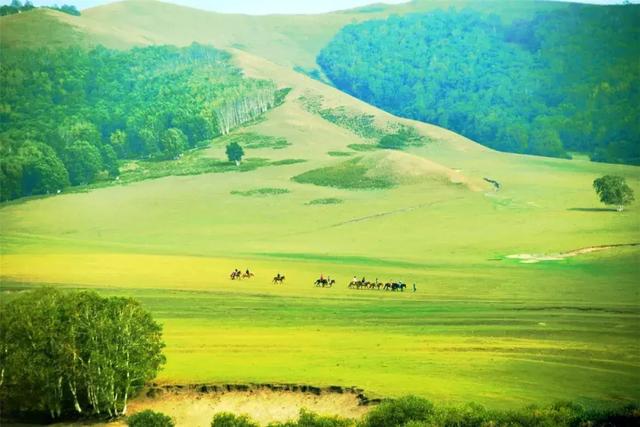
(363, 147)
(392, 142)
(227, 419)
(349, 175)
(149, 418)
(413, 411)
(285, 162)
(255, 140)
(399, 412)
(360, 124)
(327, 201)
(261, 192)
(310, 419)
(402, 137)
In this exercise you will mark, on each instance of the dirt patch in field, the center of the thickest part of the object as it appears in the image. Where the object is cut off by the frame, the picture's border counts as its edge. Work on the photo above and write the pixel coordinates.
(196, 405)
(534, 258)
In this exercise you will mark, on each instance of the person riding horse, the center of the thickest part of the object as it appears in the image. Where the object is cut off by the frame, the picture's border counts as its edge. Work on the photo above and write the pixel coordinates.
(328, 282)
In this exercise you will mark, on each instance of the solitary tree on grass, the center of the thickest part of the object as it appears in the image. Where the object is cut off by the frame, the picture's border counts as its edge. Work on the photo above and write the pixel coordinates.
(613, 190)
(235, 153)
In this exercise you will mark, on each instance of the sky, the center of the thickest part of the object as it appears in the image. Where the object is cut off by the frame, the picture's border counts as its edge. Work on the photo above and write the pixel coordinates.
(261, 7)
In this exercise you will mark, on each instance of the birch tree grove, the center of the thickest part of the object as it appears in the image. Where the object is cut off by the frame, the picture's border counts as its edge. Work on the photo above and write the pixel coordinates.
(240, 105)
(75, 352)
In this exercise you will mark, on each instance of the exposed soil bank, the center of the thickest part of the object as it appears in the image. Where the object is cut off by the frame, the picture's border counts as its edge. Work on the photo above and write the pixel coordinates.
(195, 405)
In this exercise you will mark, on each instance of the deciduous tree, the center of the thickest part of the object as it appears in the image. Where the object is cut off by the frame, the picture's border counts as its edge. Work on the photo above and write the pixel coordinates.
(235, 153)
(613, 190)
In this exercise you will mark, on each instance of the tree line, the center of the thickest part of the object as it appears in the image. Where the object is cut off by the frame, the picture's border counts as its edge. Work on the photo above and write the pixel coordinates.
(67, 116)
(16, 6)
(66, 352)
(563, 81)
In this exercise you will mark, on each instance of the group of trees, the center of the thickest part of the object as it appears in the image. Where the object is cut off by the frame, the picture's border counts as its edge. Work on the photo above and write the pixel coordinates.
(242, 104)
(67, 116)
(16, 6)
(75, 352)
(565, 80)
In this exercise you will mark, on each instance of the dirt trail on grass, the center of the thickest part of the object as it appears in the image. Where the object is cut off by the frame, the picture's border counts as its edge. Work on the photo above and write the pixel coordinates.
(534, 258)
(190, 406)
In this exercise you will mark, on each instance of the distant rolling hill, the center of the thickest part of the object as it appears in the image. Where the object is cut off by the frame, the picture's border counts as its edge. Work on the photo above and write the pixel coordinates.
(482, 327)
(285, 39)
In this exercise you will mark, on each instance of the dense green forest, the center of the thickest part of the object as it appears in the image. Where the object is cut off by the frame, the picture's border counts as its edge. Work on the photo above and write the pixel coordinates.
(563, 81)
(67, 116)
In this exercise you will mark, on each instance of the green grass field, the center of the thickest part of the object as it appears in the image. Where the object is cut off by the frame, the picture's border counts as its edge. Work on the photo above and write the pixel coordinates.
(499, 335)
(481, 327)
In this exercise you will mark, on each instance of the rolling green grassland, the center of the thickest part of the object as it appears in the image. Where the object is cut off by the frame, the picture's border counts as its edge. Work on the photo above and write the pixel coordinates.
(457, 339)
(481, 327)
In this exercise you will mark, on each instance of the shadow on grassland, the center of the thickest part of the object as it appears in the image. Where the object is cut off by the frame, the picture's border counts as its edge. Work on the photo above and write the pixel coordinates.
(593, 209)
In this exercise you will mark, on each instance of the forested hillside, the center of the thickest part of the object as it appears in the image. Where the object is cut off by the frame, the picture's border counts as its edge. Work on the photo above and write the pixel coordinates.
(67, 116)
(565, 80)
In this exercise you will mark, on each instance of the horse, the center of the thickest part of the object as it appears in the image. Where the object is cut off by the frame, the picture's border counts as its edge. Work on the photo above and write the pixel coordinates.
(235, 275)
(247, 275)
(358, 284)
(398, 286)
(278, 279)
(324, 283)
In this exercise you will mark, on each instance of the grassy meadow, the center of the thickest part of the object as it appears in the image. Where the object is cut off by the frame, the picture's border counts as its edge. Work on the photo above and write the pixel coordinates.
(499, 335)
(481, 327)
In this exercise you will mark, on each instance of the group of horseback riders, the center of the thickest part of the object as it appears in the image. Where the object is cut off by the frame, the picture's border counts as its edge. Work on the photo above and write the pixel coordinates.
(237, 274)
(388, 286)
(327, 282)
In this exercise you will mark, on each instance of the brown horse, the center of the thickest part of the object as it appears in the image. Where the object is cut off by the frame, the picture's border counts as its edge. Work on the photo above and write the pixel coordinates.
(359, 284)
(325, 283)
(278, 279)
